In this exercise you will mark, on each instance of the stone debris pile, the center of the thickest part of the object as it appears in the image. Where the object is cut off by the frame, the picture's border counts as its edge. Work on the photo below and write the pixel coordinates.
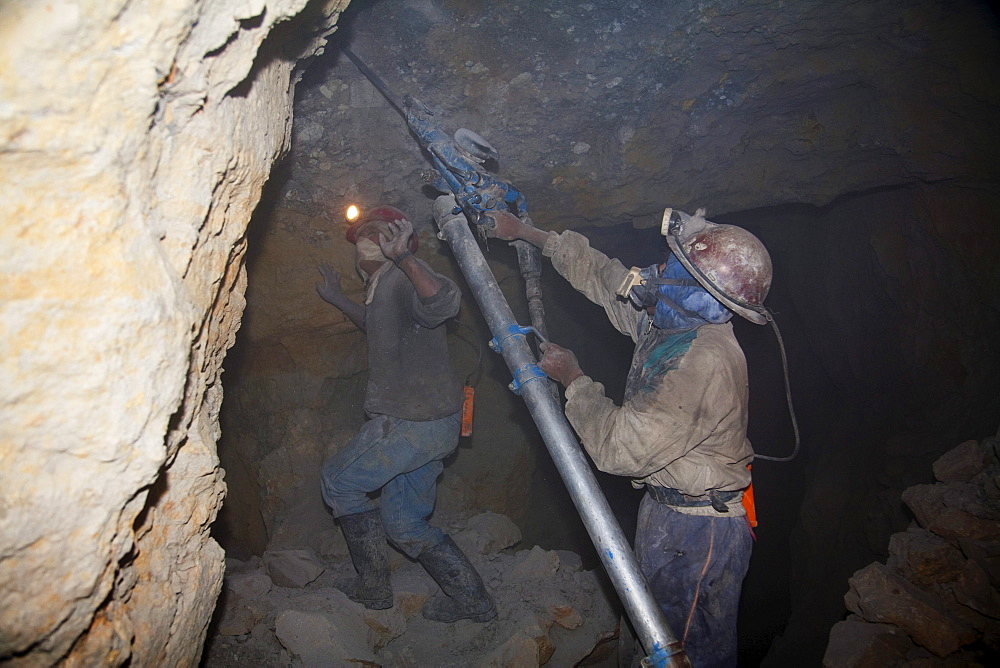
(288, 609)
(936, 600)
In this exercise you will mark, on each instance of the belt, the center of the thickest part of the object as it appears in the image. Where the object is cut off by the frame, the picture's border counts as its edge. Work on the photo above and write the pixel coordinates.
(673, 497)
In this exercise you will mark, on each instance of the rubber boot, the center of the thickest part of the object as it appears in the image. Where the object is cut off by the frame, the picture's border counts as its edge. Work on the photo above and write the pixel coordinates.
(366, 541)
(464, 595)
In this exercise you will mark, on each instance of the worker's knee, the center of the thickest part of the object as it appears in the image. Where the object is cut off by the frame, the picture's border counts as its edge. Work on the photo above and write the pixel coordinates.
(344, 497)
(344, 490)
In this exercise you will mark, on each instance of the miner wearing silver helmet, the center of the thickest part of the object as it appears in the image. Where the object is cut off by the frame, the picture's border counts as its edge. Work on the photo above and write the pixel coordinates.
(680, 432)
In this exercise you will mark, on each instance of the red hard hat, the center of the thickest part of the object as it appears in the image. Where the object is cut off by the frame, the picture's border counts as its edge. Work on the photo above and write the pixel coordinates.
(726, 260)
(381, 213)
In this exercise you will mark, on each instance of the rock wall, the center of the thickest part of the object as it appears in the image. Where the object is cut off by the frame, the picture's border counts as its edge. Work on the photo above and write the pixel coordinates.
(936, 600)
(135, 139)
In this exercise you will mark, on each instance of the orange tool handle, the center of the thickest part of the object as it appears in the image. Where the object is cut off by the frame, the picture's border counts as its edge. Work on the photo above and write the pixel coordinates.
(470, 394)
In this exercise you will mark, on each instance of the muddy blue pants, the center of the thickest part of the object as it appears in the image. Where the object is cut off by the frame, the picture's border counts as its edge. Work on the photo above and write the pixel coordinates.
(695, 567)
(403, 459)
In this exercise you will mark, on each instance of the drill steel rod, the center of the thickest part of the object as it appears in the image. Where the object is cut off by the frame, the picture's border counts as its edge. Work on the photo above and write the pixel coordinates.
(605, 532)
(375, 81)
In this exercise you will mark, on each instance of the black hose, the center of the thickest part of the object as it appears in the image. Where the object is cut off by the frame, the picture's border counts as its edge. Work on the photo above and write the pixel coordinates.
(788, 396)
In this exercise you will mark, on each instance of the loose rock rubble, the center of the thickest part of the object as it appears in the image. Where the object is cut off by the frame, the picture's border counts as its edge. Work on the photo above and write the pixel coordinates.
(936, 601)
(550, 611)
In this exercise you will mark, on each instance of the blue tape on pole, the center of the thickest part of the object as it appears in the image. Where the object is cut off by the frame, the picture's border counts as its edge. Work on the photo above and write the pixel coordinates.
(524, 375)
(658, 659)
(497, 342)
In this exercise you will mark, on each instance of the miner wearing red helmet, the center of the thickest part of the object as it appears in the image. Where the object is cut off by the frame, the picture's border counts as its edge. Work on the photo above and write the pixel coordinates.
(413, 402)
(380, 214)
(680, 432)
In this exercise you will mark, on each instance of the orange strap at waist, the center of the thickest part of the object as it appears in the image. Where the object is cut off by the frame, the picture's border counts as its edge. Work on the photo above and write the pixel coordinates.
(748, 504)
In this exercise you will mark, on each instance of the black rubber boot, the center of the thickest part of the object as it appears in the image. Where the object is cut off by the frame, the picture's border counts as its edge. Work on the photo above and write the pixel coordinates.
(366, 541)
(464, 595)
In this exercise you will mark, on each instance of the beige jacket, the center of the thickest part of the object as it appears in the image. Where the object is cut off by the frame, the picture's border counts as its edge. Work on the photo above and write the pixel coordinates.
(683, 422)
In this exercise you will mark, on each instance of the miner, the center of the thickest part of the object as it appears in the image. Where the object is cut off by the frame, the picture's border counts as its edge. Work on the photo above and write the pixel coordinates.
(413, 403)
(680, 432)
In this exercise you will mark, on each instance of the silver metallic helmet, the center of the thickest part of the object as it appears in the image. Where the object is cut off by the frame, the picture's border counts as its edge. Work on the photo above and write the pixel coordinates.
(729, 262)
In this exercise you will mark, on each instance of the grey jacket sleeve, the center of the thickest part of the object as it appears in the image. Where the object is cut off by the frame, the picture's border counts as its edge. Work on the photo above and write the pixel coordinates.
(594, 275)
(445, 303)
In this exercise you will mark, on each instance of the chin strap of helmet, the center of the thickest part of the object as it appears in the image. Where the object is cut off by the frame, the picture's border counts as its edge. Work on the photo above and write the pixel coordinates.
(671, 304)
(653, 294)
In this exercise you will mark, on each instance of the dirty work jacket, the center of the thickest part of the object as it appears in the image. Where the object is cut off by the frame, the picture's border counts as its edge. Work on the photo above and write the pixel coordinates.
(683, 422)
(409, 371)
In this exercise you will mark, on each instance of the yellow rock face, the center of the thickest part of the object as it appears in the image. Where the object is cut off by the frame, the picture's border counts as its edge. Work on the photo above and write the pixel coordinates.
(134, 144)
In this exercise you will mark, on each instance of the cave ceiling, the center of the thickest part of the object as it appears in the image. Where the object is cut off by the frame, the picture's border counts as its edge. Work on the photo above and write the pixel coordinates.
(606, 112)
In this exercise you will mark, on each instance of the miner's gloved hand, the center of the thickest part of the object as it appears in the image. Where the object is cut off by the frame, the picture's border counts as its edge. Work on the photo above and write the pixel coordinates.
(444, 207)
(559, 363)
(329, 289)
(395, 245)
(507, 226)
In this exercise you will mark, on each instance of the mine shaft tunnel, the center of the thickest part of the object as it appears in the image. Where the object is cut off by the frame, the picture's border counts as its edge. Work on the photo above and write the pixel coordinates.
(181, 158)
(788, 147)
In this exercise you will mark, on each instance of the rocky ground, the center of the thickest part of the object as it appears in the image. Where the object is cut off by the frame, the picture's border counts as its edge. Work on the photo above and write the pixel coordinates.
(934, 602)
(288, 609)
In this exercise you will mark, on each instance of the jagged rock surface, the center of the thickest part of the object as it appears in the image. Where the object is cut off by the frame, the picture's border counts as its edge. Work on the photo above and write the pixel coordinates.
(606, 112)
(135, 140)
(937, 600)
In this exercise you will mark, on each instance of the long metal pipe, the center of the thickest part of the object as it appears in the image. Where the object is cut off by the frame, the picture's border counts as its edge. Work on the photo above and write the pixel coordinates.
(615, 553)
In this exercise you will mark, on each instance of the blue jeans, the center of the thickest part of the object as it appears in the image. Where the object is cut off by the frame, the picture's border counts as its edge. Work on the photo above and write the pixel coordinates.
(695, 567)
(403, 459)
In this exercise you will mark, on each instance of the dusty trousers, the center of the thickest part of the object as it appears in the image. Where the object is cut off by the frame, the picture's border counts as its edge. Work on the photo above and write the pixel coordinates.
(403, 458)
(695, 567)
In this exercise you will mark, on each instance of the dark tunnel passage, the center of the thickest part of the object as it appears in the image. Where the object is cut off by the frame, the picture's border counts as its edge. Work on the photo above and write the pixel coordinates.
(846, 429)
(885, 275)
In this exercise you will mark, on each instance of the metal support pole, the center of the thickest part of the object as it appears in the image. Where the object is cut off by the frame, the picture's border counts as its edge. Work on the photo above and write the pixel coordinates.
(660, 643)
